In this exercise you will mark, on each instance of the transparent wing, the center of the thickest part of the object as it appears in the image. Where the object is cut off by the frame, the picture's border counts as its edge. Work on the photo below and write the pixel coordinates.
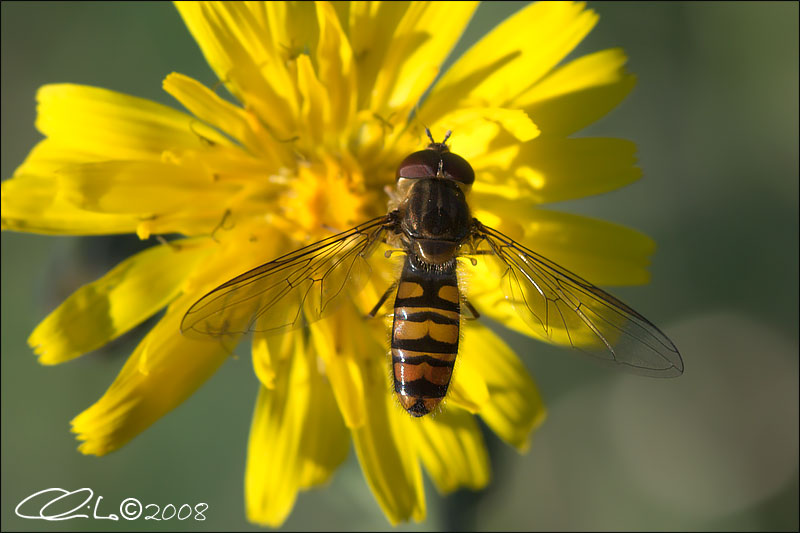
(290, 291)
(566, 309)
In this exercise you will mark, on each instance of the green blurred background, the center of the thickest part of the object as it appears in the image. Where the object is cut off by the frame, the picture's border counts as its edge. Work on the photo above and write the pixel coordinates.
(715, 117)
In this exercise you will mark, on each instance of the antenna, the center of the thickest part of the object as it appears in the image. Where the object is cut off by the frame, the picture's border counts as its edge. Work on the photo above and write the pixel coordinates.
(434, 143)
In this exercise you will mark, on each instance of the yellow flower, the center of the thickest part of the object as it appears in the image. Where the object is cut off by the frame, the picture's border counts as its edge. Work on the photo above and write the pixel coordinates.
(330, 98)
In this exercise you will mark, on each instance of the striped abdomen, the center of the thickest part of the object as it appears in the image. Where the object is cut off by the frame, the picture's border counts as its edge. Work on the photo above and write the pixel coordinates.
(425, 335)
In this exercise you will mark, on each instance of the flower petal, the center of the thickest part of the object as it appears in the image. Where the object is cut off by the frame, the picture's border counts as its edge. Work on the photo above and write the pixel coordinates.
(112, 125)
(164, 370)
(452, 449)
(478, 128)
(601, 252)
(42, 195)
(468, 389)
(387, 455)
(335, 66)
(316, 108)
(369, 26)
(243, 246)
(239, 47)
(293, 26)
(103, 310)
(326, 441)
(515, 407)
(347, 383)
(512, 57)
(49, 155)
(344, 354)
(268, 351)
(552, 170)
(272, 475)
(422, 40)
(297, 438)
(228, 118)
(144, 187)
(579, 93)
(32, 203)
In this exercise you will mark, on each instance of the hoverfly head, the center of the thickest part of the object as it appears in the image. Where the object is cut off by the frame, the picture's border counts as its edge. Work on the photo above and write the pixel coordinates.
(436, 161)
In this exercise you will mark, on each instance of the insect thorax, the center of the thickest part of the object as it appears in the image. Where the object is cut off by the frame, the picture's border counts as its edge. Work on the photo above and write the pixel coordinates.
(434, 219)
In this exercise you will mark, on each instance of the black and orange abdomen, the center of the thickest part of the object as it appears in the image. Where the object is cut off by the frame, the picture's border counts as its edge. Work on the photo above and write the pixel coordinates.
(425, 334)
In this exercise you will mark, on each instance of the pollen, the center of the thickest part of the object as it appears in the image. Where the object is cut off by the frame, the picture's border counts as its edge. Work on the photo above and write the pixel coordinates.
(326, 196)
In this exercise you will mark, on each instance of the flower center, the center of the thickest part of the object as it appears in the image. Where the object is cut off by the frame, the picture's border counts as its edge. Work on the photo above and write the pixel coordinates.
(327, 196)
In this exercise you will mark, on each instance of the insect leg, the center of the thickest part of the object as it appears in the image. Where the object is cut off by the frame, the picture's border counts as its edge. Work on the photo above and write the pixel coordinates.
(382, 300)
(472, 311)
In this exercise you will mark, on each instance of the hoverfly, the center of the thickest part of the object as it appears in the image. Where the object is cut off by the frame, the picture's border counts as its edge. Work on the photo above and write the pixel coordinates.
(433, 226)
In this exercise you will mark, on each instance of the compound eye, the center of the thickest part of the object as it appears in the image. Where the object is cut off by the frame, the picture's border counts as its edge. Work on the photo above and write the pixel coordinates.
(422, 164)
(457, 168)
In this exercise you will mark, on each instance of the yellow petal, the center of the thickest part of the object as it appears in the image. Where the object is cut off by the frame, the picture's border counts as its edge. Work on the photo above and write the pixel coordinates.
(268, 351)
(326, 441)
(600, 252)
(335, 66)
(515, 407)
(145, 187)
(49, 156)
(579, 93)
(164, 370)
(32, 203)
(452, 449)
(476, 129)
(421, 41)
(249, 244)
(468, 389)
(37, 200)
(553, 170)
(342, 352)
(272, 475)
(369, 26)
(245, 245)
(316, 109)
(347, 383)
(512, 57)
(238, 46)
(388, 455)
(188, 223)
(293, 26)
(297, 438)
(112, 125)
(103, 310)
(209, 107)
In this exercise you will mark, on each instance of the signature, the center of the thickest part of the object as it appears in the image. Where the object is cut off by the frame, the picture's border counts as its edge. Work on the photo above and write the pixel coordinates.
(51, 504)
